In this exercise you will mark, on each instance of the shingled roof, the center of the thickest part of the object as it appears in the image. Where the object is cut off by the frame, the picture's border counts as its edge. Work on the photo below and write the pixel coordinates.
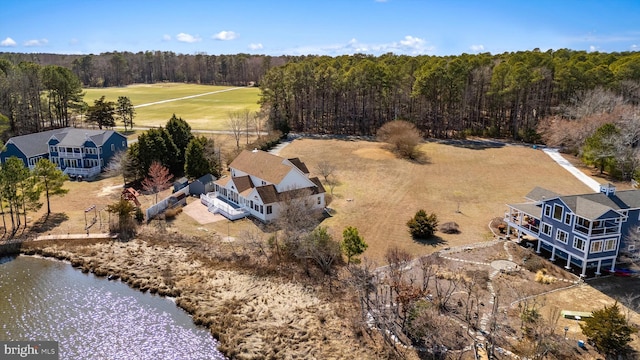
(261, 164)
(37, 143)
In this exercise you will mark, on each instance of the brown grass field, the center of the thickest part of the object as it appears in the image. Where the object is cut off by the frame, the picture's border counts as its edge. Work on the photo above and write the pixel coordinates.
(379, 193)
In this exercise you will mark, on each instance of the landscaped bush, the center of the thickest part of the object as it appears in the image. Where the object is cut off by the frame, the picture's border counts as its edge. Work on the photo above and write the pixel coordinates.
(534, 263)
(450, 228)
(172, 213)
(423, 226)
(543, 278)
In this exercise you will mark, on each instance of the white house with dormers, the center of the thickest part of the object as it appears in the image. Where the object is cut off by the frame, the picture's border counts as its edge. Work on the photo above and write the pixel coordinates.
(257, 185)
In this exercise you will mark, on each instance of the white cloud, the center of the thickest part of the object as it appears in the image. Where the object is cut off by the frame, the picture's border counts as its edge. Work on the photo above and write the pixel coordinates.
(36, 42)
(477, 48)
(225, 35)
(592, 48)
(257, 46)
(166, 37)
(73, 41)
(635, 47)
(412, 42)
(188, 38)
(408, 45)
(8, 42)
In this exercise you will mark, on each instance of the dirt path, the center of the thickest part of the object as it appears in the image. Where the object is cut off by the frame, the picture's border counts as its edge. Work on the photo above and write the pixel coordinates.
(186, 97)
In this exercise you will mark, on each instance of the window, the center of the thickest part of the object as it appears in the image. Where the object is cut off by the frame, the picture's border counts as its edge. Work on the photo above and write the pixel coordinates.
(557, 212)
(100, 149)
(261, 209)
(596, 246)
(631, 248)
(123, 144)
(567, 218)
(51, 148)
(562, 236)
(547, 210)
(578, 243)
(546, 229)
(319, 201)
(610, 244)
(269, 209)
(113, 147)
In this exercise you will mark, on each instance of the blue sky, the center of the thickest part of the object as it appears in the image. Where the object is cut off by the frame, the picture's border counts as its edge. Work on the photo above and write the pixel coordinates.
(332, 27)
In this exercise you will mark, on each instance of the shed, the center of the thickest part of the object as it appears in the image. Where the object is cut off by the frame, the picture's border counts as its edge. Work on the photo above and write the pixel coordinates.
(203, 185)
(180, 184)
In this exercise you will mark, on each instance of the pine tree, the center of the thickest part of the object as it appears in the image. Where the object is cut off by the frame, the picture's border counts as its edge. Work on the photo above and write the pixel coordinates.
(609, 330)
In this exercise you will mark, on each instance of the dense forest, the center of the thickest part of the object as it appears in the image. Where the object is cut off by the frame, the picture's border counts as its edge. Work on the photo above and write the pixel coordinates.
(502, 95)
(125, 68)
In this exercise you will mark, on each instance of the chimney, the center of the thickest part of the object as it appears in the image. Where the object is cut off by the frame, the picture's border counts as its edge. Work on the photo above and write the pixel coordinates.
(608, 189)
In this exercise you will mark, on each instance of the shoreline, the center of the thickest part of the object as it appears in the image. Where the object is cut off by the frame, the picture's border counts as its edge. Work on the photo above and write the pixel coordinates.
(251, 315)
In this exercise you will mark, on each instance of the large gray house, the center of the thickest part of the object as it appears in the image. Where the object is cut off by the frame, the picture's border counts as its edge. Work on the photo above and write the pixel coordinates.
(77, 152)
(586, 230)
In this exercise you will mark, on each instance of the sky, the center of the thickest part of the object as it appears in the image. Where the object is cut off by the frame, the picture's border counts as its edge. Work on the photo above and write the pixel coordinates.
(315, 27)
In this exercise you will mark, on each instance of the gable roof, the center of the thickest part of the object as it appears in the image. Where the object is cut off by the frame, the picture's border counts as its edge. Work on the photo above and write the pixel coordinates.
(592, 205)
(319, 188)
(243, 183)
(77, 137)
(539, 194)
(268, 194)
(300, 165)
(33, 144)
(207, 178)
(261, 164)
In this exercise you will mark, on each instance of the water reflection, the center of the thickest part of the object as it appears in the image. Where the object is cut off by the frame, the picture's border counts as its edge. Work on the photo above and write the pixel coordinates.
(93, 318)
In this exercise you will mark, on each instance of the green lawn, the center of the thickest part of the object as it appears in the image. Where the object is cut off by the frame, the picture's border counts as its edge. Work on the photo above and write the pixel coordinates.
(204, 112)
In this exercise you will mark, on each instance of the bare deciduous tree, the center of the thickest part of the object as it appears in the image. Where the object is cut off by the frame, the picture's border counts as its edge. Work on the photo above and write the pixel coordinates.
(235, 121)
(157, 180)
(326, 169)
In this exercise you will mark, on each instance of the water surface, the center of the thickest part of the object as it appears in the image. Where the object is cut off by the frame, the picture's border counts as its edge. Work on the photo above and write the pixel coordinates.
(93, 318)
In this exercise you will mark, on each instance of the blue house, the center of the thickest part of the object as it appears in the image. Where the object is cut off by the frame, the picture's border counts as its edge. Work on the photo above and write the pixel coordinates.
(587, 230)
(77, 152)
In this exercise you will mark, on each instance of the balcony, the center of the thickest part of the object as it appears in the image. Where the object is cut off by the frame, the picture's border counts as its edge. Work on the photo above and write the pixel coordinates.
(86, 173)
(524, 218)
(598, 231)
(70, 155)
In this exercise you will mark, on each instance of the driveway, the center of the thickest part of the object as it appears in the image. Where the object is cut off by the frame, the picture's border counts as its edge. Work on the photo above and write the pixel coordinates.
(586, 179)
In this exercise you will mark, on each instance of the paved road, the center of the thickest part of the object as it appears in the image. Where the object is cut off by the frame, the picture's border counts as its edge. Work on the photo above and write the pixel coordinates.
(587, 180)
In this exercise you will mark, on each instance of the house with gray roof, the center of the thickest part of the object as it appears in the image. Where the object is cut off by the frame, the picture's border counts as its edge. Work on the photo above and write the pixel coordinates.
(258, 185)
(585, 230)
(77, 152)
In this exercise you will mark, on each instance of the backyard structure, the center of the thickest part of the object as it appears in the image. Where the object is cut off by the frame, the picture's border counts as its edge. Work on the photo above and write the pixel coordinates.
(77, 152)
(586, 230)
(259, 183)
(202, 185)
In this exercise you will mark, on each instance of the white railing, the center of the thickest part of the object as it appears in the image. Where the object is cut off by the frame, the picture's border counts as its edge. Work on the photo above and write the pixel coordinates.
(218, 206)
(84, 172)
(70, 155)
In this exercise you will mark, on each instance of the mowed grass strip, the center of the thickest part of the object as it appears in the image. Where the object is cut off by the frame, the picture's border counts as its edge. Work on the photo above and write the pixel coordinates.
(379, 193)
(208, 112)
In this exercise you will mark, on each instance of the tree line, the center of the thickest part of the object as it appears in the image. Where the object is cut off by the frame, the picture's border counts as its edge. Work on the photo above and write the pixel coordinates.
(34, 98)
(125, 68)
(503, 95)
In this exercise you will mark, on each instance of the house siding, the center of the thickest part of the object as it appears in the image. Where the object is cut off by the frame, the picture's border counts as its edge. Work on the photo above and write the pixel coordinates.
(593, 237)
(85, 155)
(12, 150)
